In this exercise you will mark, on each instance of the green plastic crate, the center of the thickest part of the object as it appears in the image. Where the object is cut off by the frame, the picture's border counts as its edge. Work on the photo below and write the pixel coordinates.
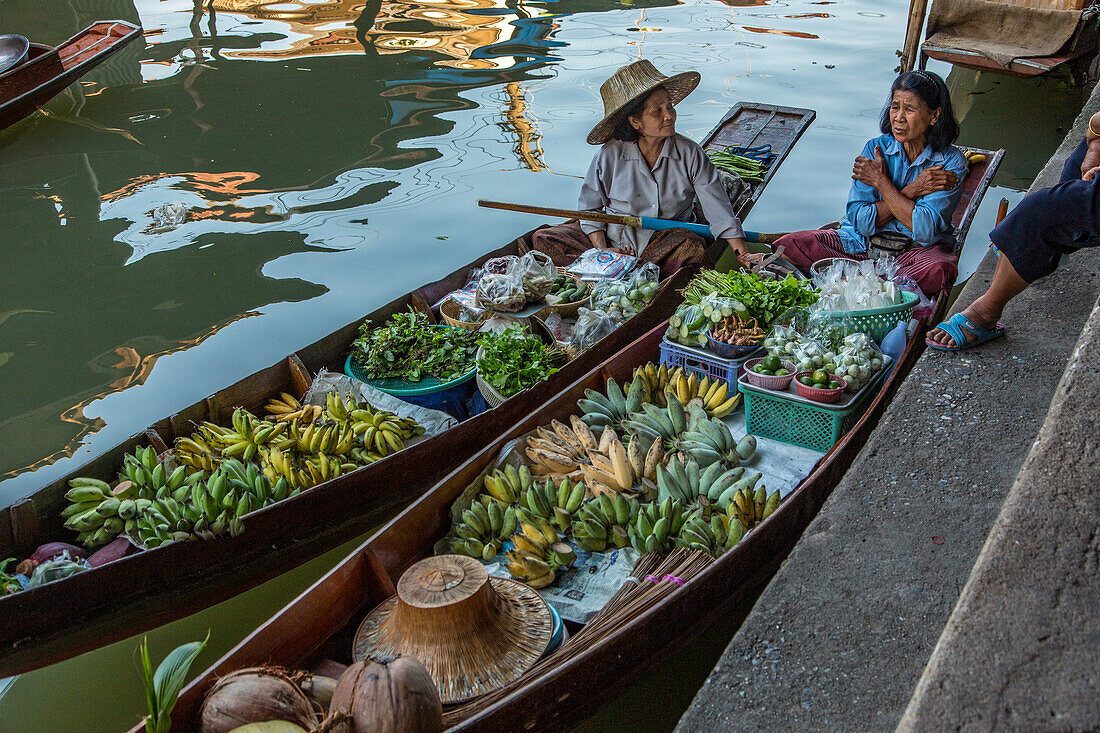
(818, 428)
(877, 322)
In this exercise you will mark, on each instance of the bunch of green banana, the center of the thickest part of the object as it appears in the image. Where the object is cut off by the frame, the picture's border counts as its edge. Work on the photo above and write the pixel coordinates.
(653, 423)
(150, 476)
(538, 554)
(483, 529)
(753, 507)
(93, 509)
(710, 441)
(685, 481)
(555, 502)
(715, 537)
(599, 410)
(507, 484)
(656, 525)
(602, 521)
(655, 380)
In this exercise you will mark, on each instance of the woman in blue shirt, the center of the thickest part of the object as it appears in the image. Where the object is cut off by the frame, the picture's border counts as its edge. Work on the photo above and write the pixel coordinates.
(905, 186)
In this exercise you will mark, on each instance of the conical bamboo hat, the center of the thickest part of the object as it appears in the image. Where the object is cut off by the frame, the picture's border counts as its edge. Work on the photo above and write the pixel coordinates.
(633, 81)
(472, 632)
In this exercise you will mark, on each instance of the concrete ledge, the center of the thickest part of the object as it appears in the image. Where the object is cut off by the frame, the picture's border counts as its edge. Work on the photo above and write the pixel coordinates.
(1021, 649)
(839, 639)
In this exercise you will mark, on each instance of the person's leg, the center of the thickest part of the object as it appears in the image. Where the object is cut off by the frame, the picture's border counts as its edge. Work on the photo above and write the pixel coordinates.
(805, 248)
(673, 249)
(987, 309)
(563, 242)
(934, 269)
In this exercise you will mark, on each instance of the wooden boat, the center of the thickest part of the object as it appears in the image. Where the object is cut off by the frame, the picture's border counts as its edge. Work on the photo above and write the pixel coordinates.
(68, 617)
(47, 71)
(315, 631)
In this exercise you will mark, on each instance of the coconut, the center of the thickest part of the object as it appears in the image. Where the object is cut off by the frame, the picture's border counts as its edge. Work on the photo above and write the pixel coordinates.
(255, 695)
(270, 726)
(390, 695)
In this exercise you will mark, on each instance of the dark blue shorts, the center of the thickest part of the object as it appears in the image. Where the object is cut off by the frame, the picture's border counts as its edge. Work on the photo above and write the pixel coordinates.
(1051, 222)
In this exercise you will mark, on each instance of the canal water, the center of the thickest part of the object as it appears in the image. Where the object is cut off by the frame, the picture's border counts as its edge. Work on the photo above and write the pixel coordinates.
(251, 175)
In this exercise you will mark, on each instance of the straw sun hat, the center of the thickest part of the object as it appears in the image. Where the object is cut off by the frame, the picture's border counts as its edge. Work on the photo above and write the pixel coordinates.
(472, 632)
(631, 82)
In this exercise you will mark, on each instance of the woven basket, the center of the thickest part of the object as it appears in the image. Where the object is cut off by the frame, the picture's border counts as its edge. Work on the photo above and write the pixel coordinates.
(450, 310)
(568, 310)
(769, 381)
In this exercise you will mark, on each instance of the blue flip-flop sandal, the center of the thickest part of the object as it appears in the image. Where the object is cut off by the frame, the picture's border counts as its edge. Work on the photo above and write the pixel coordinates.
(954, 328)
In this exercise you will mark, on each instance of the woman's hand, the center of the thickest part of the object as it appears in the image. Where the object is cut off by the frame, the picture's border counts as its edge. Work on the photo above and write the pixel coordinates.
(1091, 173)
(930, 180)
(871, 171)
(744, 257)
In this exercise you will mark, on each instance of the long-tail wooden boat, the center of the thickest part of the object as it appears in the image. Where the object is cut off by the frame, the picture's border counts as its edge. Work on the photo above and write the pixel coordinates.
(316, 629)
(59, 620)
(47, 70)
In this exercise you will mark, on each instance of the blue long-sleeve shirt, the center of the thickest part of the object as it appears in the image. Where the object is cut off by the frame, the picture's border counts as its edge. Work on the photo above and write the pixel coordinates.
(931, 213)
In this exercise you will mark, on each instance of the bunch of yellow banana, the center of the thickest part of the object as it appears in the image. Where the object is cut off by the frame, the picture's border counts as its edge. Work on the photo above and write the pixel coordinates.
(287, 407)
(507, 484)
(538, 554)
(560, 449)
(556, 502)
(712, 393)
(483, 529)
(655, 380)
(250, 434)
(753, 507)
(331, 438)
(613, 467)
(973, 157)
(381, 431)
(196, 453)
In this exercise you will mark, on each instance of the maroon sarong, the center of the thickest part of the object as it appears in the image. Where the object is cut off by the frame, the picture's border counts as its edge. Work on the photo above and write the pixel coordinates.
(669, 249)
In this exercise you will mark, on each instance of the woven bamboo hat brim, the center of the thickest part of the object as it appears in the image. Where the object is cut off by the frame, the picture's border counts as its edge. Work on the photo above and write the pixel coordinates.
(633, 81)
(473, 633)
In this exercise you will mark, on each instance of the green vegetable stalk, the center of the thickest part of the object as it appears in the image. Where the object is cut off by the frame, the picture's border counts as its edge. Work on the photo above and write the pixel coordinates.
(765, 298)
(746, 168)
(162, 688)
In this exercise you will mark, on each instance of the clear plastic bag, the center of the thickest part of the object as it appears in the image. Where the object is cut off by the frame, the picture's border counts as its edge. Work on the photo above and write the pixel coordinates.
(611, 296)
(851, 286)
(501, 292)
(811, 355)
(716, 307)
(689, 326)
(592, 325)
(602, 264)
(536, 273)
(60, 567)
(782, 341)
(858, 360)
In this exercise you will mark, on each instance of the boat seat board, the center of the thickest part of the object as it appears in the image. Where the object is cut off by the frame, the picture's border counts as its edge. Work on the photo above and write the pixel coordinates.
(974, 187)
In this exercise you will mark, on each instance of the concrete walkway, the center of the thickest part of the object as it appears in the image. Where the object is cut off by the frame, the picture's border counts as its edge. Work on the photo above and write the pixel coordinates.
(840, 638)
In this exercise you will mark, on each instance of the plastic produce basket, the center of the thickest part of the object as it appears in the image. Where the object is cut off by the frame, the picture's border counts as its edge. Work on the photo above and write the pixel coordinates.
(450, 397)
(877, 322)
(703, 363)
(816, 427)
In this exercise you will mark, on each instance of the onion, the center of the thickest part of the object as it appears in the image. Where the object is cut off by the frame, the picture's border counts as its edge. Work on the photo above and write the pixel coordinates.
(255, 695)
(391, 695)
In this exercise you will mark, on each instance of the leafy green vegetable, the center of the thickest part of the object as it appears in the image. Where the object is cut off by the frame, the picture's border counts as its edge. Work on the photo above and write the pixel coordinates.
(162, 688)
(765, 298)
(513, 360)
(8, 582)
(411, 348)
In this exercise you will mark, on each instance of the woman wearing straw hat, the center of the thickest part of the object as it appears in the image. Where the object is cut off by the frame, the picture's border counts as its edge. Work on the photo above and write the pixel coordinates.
(644, 168)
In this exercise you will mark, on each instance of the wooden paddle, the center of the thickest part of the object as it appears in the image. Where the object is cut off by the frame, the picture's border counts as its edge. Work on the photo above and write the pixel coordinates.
(639, 222)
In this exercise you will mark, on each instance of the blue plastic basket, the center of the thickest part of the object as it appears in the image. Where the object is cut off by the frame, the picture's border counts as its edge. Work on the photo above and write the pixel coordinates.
(450, 397)
(703, 363)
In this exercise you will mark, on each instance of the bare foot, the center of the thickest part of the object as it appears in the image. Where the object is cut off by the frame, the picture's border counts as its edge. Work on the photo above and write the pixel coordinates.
(977, 313)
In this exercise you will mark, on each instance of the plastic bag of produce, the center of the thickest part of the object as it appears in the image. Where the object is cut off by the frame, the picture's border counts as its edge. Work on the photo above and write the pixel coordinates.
(811, 355)
(689, 326)
(501, 292)
(466, 297)
(782, 341)
(60, 567)
(536, 273)
(717, 307)
(592, 325)
(858, 360)
(611, 297)
(602, 264)
(498, 265)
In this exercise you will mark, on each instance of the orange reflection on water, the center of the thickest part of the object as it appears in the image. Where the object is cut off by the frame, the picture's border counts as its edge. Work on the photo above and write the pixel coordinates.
(455, 31)
(139, 368)
(776, 31)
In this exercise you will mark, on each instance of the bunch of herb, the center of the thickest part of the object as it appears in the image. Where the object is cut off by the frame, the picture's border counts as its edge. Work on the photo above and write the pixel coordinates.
(409, 347)
(513, 360)
(765, 298)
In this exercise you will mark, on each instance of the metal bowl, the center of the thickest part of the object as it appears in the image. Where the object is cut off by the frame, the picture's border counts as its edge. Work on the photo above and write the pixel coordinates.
(13, 50)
